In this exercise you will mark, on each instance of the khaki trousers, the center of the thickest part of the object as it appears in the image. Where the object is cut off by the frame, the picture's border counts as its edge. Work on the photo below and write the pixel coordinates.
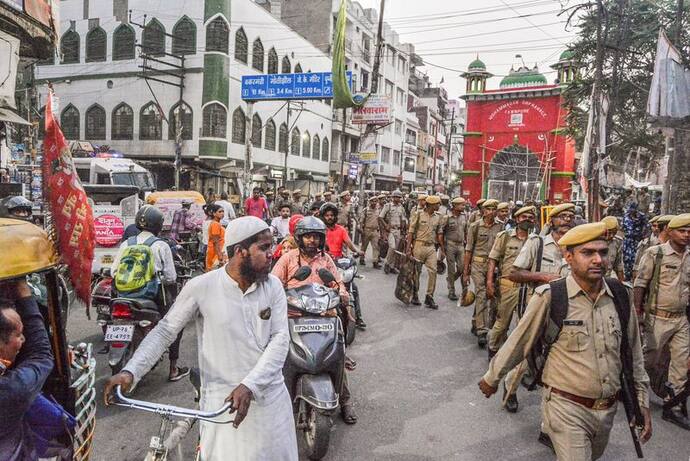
(577, 433)
(396, 237)
(454, 255)
(509, 294)
(482, 308)
(676, 333)
(427, 255)
(371, 236)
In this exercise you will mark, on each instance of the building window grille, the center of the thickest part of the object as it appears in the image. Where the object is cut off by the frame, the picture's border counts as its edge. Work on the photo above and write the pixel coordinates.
(239, 126)
(325, 150)
(316, 148)
(241, 46)
(153, 38)
(215, 121)
(258, 55)
(295, 142)
(123, 43)
(218, 35)
(286, 67)
(69, 47)
(272, 61)
(96, 44)
(270, 142)
(69, 123)
(95, 122)
(184, 37)
(186, 120)
(122, 125)
(283, 138)
(150, 123)
(306, 145)
(256, 131)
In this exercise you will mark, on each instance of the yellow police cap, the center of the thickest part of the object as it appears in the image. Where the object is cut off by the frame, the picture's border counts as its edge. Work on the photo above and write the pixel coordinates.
(490, 203)
(297, 191)
(682, 220)
(665, 219)
(555, 211)
(526, 209)
(654, 219)
(382, 197)
(433, 199)
(458, 201)
(422, 196)
(502, 205)
(611, 222)
(344, 193)
(481, 201)
(582, 234)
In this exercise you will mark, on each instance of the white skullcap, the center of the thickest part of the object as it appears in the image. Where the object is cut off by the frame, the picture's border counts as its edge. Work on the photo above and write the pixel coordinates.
(241, 229)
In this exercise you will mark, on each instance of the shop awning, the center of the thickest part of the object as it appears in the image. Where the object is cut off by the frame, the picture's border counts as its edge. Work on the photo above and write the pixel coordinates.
(9, 116)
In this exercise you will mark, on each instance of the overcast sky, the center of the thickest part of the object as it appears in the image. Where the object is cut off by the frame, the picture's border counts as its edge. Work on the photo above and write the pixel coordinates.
(449, 34)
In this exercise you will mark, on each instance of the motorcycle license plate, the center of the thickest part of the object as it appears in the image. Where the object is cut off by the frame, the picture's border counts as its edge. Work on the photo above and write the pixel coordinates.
(106, 259)
(312, 328)
(119, 333)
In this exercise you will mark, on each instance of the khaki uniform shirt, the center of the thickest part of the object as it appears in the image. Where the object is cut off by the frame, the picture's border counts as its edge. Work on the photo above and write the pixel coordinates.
(585, 359)
(454, 228)
(642, 246)
(672, 294)
(346, 215)
(475, 215)
(369, 219)
(443, 210)
(615, 256)
(506, 248)
(552, 261)
(480, 237)
(424, 227)
(643, 201)
(393, 215)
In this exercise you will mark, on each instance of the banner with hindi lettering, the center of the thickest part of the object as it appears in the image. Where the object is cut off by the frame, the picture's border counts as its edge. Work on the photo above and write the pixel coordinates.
(70, 213)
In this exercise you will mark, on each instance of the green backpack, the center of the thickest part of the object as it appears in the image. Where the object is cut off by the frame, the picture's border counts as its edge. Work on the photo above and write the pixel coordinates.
(136, 274)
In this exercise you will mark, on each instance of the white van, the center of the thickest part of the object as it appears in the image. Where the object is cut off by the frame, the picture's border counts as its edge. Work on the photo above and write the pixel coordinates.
(108, 170)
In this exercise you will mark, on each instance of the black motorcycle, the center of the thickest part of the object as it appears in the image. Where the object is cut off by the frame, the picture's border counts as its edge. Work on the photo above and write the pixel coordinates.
(348, 269)
(315, 363)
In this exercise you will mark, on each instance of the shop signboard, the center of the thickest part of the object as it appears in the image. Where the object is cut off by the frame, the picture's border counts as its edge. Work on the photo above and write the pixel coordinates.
(375, 111)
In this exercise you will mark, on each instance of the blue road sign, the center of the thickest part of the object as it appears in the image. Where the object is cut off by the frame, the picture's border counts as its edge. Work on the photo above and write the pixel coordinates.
(312, 85)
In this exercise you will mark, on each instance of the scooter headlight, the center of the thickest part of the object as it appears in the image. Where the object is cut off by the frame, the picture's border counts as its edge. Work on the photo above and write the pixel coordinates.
(348, 274)
(316, 305)
(295, 302)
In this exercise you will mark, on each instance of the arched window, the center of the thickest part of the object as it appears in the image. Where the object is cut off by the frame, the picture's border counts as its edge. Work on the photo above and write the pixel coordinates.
(295, 140)
(325, 150)
(69, 123)
(298, 68)
(215, 121)
(217, 32)
(258, 55)
(150, 123)
(272, 61)
(96, 44)
(122, 125)
(241, 46)
(283, 138)
(270, 142)
(239, 126)
(123, 43)
(285, 67)
(184, 37)
(306, 145)
(153, 38)
(69, 47)
(256, 130)
(316, 147)
(95, 122)
(185, 119)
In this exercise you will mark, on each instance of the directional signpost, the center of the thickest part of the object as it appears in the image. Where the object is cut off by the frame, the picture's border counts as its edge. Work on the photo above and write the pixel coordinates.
(312, 85)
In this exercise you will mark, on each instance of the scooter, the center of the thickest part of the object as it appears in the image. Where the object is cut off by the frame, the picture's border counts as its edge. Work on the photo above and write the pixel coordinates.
(314, 367)
(348, 269)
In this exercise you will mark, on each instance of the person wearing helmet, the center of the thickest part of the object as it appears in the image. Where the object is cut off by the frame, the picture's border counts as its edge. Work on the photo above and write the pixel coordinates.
(16, 207)
(149, 221)
(310, 235)
(336, 235)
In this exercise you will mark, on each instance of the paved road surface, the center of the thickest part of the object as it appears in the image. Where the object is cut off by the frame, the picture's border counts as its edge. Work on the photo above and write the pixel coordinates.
(415, 388)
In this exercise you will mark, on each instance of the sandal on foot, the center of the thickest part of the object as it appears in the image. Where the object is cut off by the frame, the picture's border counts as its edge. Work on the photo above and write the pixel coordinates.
(181, 373)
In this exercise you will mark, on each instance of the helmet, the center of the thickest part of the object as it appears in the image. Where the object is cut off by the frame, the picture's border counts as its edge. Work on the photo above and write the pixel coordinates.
(396, 193)
(467, 298)
(440, 267)
(310, 225)
(16, 207)
(149, 218)
(328, 206)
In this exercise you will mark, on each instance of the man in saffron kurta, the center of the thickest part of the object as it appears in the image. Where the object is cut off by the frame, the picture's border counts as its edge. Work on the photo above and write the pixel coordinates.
(241, 319)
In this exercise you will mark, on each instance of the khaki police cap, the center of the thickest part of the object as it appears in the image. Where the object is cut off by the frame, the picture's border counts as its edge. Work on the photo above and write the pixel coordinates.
(433, 199)
(481, 201)
(654, 219)
(526, 209)
(555, 211)
(422, 196)
(502, 206)
(297, 191)
(583, 233)
(611, 222)
(490, 203)
(682, 220)
(396, 193)
(344, 193)
(665, 219)
(381, 196)
(458, 201)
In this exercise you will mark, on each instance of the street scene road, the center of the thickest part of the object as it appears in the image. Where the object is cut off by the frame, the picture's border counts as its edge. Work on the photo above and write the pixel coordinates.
(415, 389)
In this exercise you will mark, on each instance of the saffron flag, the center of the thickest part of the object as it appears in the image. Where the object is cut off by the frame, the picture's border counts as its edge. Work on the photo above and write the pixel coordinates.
(71, 214)
(342, 97)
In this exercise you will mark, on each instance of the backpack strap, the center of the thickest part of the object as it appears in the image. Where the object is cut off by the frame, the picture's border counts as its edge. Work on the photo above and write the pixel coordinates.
(558, 311)
(150, 241)
(540, 255)
(132, 241)
(622, 302)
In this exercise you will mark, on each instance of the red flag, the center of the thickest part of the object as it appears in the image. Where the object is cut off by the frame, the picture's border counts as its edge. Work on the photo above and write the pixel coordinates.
(71, 214)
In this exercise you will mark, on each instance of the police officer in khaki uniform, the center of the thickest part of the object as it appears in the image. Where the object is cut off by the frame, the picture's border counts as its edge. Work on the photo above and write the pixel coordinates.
(502, 212)
(454, 228)
(393, 221)
(346, 214)
(615, 248)
(506, 248)
(283, 199)
(663, 279)
(476, 214)
(582, 373)
(421, 204)
(480, 238)
(657, 236)
(444, 209)
(424, 234)
(369, 228)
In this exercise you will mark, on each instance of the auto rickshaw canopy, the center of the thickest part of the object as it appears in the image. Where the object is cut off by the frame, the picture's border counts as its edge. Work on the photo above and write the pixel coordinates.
(26, 248)
(193, 195)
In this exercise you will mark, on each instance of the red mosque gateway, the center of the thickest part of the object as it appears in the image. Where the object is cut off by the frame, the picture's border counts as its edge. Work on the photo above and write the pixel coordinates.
(515, 143)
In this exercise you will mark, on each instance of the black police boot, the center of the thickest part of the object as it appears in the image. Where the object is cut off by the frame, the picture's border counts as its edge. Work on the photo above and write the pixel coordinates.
(415, 300)
(377, 265)
(675, 416)
(430, 303)
(511, 402)
(452, 296)
(481, 340)
(386, 269)
(361, 261)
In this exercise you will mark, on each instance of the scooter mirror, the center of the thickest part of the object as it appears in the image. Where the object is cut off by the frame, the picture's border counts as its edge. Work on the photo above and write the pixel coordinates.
(326, 277)
(302, 273)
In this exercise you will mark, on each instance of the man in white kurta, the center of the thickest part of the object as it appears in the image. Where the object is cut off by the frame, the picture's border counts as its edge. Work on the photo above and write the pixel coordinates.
(243, 340)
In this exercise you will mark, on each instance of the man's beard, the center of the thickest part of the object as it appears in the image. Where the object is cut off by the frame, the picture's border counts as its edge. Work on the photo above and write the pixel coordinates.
(248, 272)
(310, 251)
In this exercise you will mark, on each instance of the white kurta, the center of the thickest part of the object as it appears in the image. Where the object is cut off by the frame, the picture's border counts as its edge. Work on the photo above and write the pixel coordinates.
(235, 346)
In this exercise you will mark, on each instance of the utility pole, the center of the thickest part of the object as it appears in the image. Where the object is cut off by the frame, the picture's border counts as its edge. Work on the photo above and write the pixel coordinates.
(247, 169)
(287, 151)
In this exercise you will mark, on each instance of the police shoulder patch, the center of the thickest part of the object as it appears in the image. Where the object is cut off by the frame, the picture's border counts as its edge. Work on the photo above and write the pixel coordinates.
(541, 289)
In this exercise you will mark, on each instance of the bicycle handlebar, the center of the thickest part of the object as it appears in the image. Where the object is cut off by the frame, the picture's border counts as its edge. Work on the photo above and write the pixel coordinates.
(171, 410)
